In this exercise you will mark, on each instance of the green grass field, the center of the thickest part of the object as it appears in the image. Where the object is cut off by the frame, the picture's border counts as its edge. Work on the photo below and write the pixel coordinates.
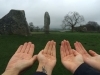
(9, 44)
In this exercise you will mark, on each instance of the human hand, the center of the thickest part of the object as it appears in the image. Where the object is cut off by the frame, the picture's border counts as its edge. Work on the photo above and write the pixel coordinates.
(22, 59)
(91, 58)
(70, 58)
(47, 58)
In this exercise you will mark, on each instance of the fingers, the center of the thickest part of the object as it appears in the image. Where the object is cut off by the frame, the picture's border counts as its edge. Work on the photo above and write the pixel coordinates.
(28, 47)
(54, 49)
(31, 50)
(83, 48)
(93, 53)
(49, 51)
(23, 48)
(75, 52)
(46, 47)
(50, 48)
(79, 47)
(41, 52)
(19, 49)
(68, 47)
(33, 59)
(62, 49)
(62, 52)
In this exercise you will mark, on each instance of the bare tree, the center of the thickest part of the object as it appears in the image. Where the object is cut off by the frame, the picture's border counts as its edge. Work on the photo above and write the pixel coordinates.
(72, 19)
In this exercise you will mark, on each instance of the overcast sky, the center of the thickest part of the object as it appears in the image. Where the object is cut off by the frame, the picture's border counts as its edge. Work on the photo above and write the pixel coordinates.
(35, 9)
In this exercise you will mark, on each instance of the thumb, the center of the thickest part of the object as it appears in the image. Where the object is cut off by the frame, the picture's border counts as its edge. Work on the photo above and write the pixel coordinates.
(42, 51)
(34, 58)
(93, 53)
(75, 52)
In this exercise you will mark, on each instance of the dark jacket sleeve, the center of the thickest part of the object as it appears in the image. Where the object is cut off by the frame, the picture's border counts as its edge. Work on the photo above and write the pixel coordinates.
(85, 69)
(39, 73)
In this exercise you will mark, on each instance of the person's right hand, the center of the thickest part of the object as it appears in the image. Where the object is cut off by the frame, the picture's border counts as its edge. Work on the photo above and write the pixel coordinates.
(92, 59)
(47, 58)
(70, 58)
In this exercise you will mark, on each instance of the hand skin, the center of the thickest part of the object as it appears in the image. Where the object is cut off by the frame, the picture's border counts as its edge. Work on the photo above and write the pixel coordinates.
(70, 58)
(22, 59)
(92, 59)
(47, 58)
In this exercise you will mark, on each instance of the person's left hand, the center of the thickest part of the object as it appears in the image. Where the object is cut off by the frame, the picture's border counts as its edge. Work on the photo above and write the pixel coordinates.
(47, 58)
(91, 58)
(22, 59)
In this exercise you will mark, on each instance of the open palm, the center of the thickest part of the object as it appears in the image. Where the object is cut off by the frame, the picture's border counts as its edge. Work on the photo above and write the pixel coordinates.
(22, 58)
(70, 58)
(92, 59)
(47, 57)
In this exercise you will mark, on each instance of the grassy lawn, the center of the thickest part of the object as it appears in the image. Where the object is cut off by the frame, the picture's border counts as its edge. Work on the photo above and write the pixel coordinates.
(9, 44)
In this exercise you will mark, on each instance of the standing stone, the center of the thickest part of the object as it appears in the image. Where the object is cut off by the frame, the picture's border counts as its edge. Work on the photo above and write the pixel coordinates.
(14, 23)
(46, 22)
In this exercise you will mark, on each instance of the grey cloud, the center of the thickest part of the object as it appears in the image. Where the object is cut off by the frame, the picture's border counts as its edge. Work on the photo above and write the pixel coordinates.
(35, 9)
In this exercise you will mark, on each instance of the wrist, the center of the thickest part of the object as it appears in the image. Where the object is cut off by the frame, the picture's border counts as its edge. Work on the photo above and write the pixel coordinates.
(43, 68)
(11, 72)
(75, 68)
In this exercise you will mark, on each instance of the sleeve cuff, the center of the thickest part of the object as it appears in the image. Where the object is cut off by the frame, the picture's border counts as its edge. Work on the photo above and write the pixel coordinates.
(39, 73)
(85, 69)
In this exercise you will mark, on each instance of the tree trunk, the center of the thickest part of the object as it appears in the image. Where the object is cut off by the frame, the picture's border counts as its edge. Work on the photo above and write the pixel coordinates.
(72, 28)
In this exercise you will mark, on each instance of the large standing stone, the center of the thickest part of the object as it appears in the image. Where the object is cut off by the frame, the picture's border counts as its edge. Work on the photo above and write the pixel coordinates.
(46, 22)
(14, 23)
